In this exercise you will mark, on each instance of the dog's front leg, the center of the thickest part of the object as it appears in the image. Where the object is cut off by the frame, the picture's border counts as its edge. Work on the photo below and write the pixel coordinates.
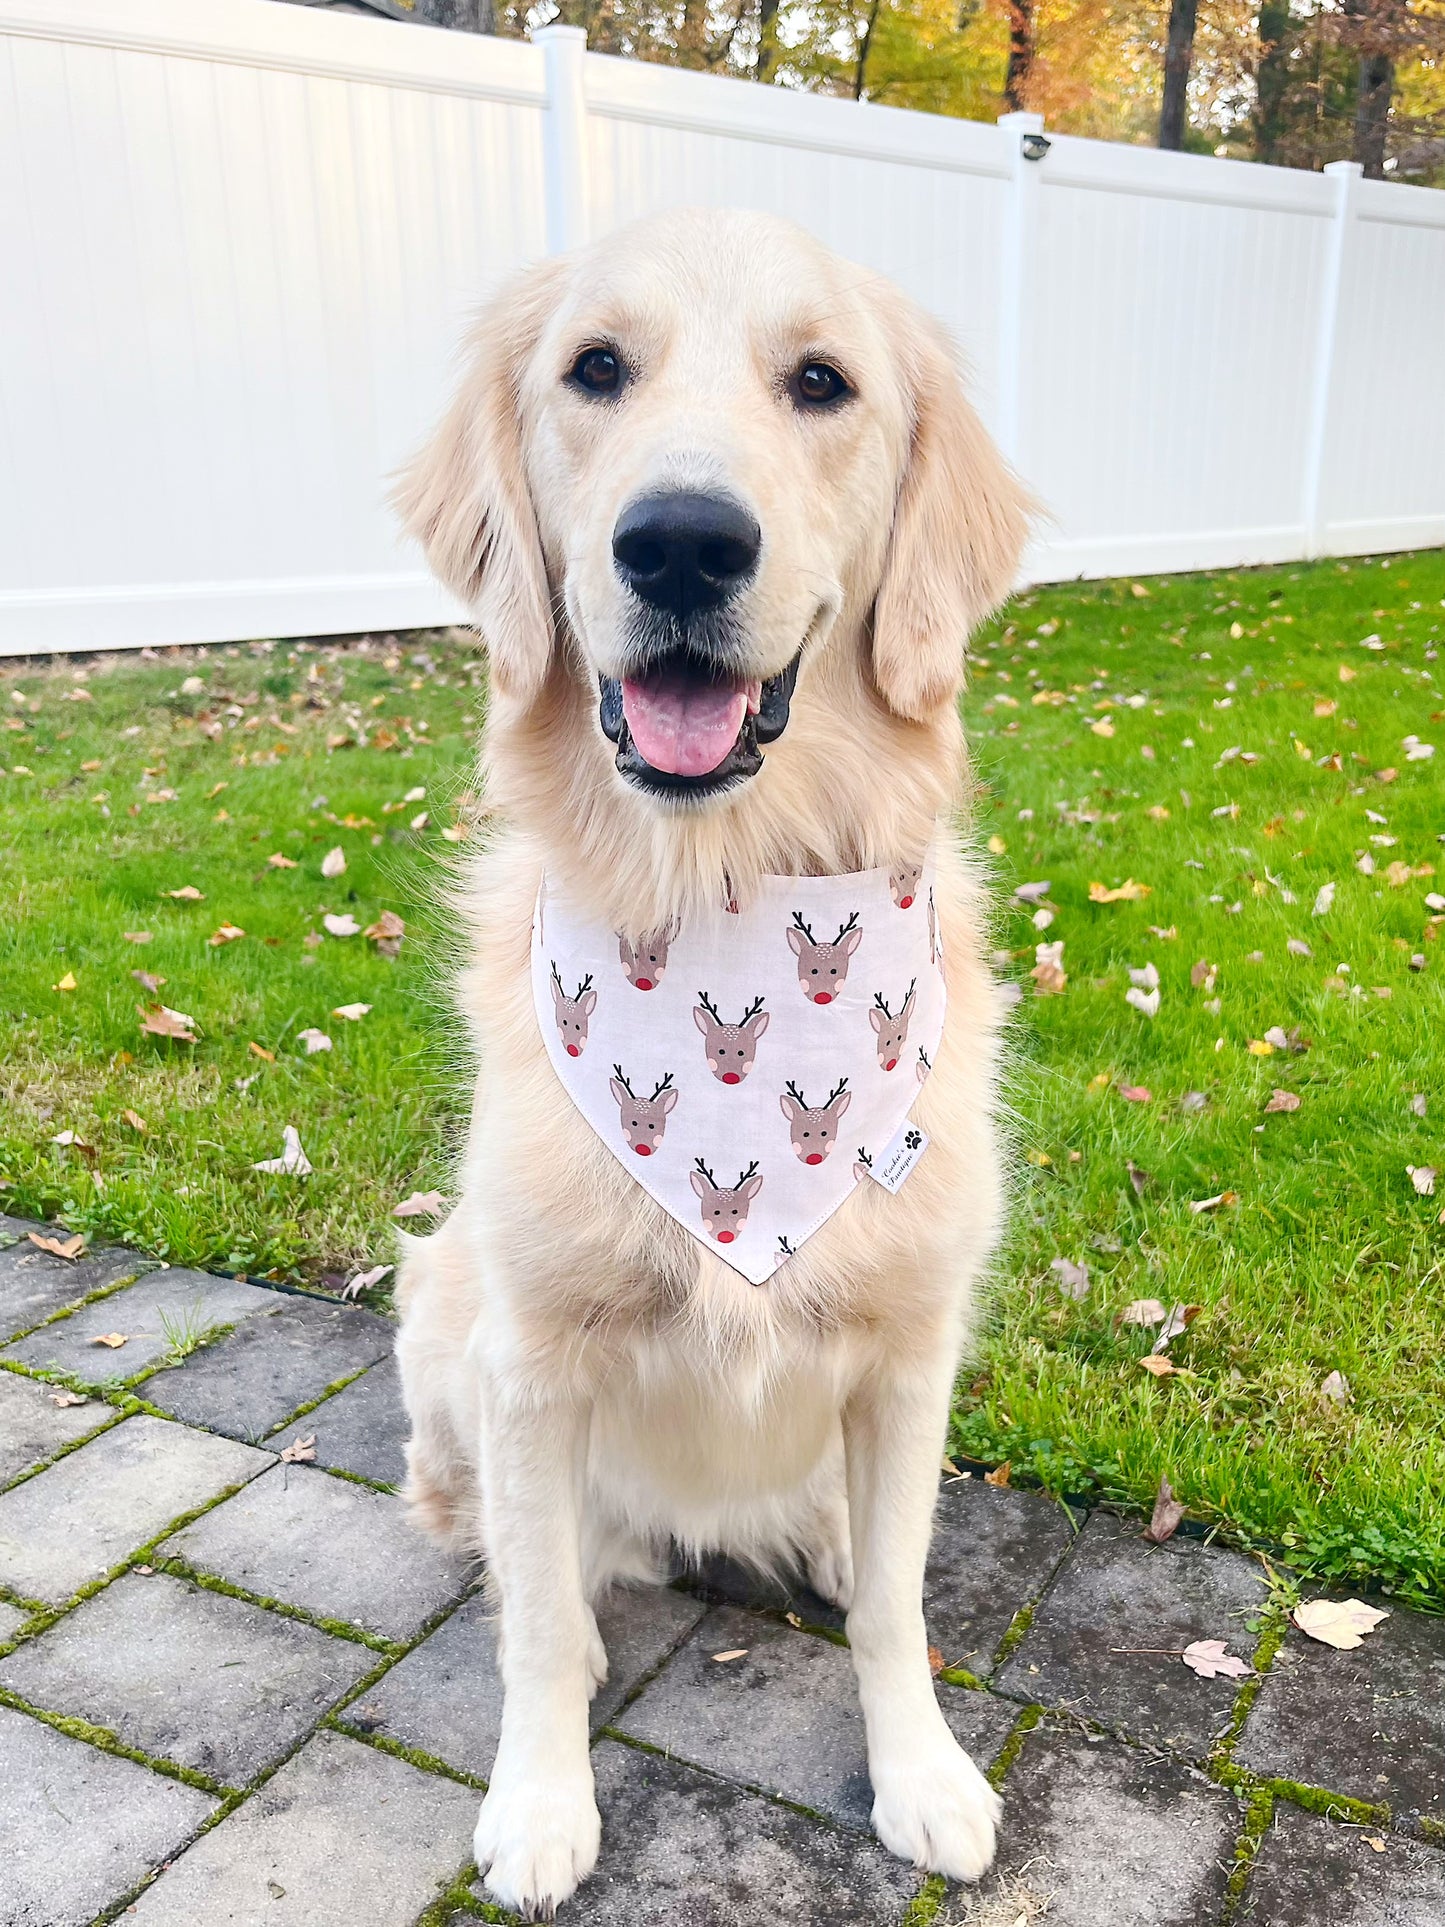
(931, 1805)
(538, 1831)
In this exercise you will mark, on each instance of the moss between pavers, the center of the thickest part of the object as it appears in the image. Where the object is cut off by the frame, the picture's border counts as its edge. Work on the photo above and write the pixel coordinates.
(338, 1628)
(72, 1445)
(1258, 1814)
(105, 1741)
(1027, 1720)
(1014, 1635)
(413, 1755)
(69, 1311)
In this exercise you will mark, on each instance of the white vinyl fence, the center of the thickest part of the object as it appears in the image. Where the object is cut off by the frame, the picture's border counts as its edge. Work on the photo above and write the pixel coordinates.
(239, 241)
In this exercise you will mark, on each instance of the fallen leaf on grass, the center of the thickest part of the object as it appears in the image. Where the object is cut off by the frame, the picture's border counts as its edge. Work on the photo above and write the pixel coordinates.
(1146, 1002)
(1128, 892)
(1208, 1658)
(68, 1398)
(293, 1161)
(1178, 1319)
(1422, 1176)
(1000, 1475)
(1324, 897)
(1419, 1104)
(737, 1652)
(363, 1281)
(148, 980)
(1073, 1279)
(421, 1204)
(1193, 1101)
(300, 1451)
(1143, 1311)
(1159, 1366)
(353, 1013)
(1048, 972)
(386, 933)
(138, 936)
(1203, 975)
(342, 926)
(161, 1021)
(1103, 727)
(314, 1040)
(1282, 1101)
(58, 1247)
(1031, 892)
(67, 982)
(259, 1050)
(188, 893)
(1165, 933)
(334, 862)
(1139, 1178)
(276, 861)
(1136, 1093)
(936, 1661)
(1166, 1516)
(1341, 1625)
(136, 1123)
(228, 933)
(1212, 1204)
(1336, 1388)
(1297, 947)
(112, 1339)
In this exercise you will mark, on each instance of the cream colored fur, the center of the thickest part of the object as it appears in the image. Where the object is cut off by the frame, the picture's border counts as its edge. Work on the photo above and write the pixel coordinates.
(589, 1388)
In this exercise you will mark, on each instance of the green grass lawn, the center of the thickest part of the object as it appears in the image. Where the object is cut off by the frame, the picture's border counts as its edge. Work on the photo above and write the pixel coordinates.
(1224, 740)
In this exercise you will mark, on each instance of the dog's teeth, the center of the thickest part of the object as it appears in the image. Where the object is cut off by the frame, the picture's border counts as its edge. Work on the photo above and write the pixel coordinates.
(755, 697)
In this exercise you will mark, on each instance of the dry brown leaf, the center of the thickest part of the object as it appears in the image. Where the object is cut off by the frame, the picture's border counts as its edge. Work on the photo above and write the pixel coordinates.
(1000, 1475)
(1213, 1204)
(276, 861)
(149, 980)
(112, 1339)
(736, 1652)
(1342, 1625)
(1203, 974)
(135, 1122)
(300, 1451)
(1144, 1311)
(1209, 1659)
(1166, 1516)
(259, 1050)
(58, 1247)
(1136, 1093)
(1158, 1365)
(1422, 1176)
(188, 893)
(353, 1013)
(63, 1397)
(228, 933)
(138, 936)
(1178, 1321)
(936, 1660)
(387, 925)
(161, 1021)
(1128, 892)
(1282, 1101)
(1336, 1388)
(1073, 1279)
(421, 1204)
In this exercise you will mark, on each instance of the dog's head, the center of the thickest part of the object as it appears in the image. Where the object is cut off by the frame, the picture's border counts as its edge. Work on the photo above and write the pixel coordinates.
(690, 463)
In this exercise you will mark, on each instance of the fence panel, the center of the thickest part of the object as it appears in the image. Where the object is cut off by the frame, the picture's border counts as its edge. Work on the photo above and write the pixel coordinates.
(241, 241)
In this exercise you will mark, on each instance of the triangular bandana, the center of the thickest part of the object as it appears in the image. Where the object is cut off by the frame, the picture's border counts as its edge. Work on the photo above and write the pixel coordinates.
(749, 1069)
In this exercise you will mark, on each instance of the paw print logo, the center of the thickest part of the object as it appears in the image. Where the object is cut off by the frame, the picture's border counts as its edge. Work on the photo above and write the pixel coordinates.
(913, 1140)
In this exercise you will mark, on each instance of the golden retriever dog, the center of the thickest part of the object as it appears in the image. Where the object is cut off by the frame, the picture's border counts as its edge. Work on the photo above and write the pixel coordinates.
(724, 519)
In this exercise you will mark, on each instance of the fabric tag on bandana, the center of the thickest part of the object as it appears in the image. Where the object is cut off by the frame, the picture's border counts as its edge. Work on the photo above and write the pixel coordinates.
(894, 1164)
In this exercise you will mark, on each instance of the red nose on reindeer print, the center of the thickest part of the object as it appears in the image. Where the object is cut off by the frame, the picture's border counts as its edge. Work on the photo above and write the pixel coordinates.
(823, 967)
(725, 1207)
(904, 884)
(892, 1031)
(644, 1119)
(646, 961)
(730, 1048)
(814, 1127)
(572, 1012)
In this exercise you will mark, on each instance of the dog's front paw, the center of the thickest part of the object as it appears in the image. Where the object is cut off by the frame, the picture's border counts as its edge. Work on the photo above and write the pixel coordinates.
(937, 1810)
(536, 1839)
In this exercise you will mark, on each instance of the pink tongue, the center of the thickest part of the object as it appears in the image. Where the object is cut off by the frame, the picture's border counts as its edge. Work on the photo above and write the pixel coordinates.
(681, 726)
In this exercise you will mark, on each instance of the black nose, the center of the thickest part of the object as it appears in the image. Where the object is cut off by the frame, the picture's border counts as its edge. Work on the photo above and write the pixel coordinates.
(684, 552)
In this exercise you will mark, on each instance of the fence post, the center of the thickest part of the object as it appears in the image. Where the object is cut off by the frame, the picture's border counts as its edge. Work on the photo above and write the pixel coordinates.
(1015, 274)
(564, 135)
(1345, 175)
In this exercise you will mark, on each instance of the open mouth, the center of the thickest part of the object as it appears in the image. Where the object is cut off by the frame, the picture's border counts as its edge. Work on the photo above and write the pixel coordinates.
(683, 729)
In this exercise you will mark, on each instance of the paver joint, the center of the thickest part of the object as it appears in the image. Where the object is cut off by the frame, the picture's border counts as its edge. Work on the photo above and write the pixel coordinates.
(239, 1690)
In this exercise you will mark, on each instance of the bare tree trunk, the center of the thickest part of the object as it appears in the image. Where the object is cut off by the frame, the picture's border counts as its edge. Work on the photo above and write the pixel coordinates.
(865, 42)
(1372, 112)
(1178, 59)
(1020, 54)
(767, 39)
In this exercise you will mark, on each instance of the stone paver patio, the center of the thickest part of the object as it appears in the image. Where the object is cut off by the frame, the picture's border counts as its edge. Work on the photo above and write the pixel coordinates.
(237, 1691)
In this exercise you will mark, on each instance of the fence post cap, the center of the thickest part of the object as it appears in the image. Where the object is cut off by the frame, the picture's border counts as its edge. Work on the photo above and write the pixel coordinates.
(1338, 168)
(557, 35)
(1021, 123)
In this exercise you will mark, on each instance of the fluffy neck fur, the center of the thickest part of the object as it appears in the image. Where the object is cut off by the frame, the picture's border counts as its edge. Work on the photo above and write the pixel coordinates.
(550, 773)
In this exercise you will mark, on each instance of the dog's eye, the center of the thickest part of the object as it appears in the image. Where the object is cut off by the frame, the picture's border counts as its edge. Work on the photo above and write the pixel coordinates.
(817, 383)
(598, 371)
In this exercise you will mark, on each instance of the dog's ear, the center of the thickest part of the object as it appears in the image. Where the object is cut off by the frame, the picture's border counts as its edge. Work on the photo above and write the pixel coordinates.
(464, 496)
(959, 527)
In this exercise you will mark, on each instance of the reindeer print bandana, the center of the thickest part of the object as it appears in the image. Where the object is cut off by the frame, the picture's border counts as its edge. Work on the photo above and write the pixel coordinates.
(751, 1069)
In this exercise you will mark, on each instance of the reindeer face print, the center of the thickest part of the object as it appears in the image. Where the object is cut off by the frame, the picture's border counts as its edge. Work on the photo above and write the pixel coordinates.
(644, 1119)
(904, 884)
(645, 964)
(730, 1048)
(814, 1127)
(923, 1066)
(892, 1030)
(572, 1013)
(823, 967)
(725, 1207)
